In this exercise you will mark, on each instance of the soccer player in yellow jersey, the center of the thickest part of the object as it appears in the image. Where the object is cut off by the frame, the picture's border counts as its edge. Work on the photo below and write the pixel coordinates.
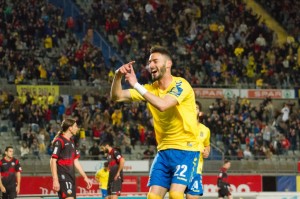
(171, 101)
(195, 188)
(101, 177)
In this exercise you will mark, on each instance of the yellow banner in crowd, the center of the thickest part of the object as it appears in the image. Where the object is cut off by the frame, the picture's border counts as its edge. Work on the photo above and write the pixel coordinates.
(38, 90)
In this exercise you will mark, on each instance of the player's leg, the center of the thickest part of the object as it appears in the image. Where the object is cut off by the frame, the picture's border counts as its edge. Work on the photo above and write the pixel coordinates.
(5, 195)
(13, 193)
(10, 193)
(229, 196)
(67, 189)
(160, 178)
(221, 194)
(114, 186)
(115, 189)
(184, 166)
(156, 192)
(195, 188)
(188, 196)
(177, 191)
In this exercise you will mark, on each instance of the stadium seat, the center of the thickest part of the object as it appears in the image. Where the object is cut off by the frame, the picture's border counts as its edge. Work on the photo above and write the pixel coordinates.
(83, 82)
(76, 82)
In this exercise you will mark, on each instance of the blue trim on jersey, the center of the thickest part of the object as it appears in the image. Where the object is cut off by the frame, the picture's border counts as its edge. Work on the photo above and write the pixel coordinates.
(173, 166)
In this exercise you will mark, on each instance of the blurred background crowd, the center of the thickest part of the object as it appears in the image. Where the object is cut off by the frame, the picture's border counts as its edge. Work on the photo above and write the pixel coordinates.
(214, 43)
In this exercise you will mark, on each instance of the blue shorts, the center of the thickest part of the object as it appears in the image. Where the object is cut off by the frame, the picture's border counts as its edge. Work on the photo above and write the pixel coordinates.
(196, 186)
(104, 193)
(173, 166)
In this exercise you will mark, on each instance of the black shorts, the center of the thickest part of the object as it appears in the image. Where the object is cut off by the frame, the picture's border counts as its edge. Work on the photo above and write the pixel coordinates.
(10, 193)
(67, 189)
(114, 186)
(223, 192)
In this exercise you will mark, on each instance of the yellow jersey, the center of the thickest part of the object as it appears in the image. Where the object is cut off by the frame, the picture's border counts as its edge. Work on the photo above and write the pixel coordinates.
(204, 137)
(175, 128)
(102, 177)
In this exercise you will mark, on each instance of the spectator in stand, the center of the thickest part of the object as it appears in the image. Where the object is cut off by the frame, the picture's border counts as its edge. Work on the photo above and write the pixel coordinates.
(285, 112)
(285, 144)
(94, 151)
(35, 149)
(247, 153)
(293, 139)
(24, 151)
(41, 140)
(148, 153)
(134, 135)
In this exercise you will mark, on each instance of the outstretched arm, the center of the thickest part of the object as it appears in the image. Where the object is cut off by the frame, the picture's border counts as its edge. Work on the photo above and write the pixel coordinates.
(116, 92)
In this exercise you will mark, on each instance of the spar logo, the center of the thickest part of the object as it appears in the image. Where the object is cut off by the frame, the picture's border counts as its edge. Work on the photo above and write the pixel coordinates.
(211, 188)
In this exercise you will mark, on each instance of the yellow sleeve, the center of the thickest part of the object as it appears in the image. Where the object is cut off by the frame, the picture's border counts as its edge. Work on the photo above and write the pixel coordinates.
(180, 90)
(97, 175)
(206, 141)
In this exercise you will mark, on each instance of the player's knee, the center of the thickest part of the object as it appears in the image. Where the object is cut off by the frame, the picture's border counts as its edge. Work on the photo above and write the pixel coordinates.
(176, 195)
(153, 196)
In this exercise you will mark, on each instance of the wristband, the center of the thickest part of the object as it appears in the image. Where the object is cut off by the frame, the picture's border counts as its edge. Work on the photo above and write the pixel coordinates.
(141, 89)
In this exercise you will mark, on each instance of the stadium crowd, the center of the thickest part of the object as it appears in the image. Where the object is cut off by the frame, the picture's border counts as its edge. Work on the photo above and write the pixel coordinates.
(37, 44)
(214, 43)
(285, 12)
(241, 129)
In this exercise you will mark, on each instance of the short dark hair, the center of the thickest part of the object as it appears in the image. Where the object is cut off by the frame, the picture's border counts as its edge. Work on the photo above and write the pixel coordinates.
(226, 161)
(8, 147)
(105, 164)
(160, 49)
(199, 104)
(104, 143)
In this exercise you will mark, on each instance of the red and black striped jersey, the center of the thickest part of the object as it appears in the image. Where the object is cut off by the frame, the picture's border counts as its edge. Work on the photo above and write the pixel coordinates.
(222, 178)
(8, 169)
(65, 152)
(113, 158)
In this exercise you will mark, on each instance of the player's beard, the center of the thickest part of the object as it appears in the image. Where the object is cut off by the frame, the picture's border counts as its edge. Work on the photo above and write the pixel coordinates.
(160, 72)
